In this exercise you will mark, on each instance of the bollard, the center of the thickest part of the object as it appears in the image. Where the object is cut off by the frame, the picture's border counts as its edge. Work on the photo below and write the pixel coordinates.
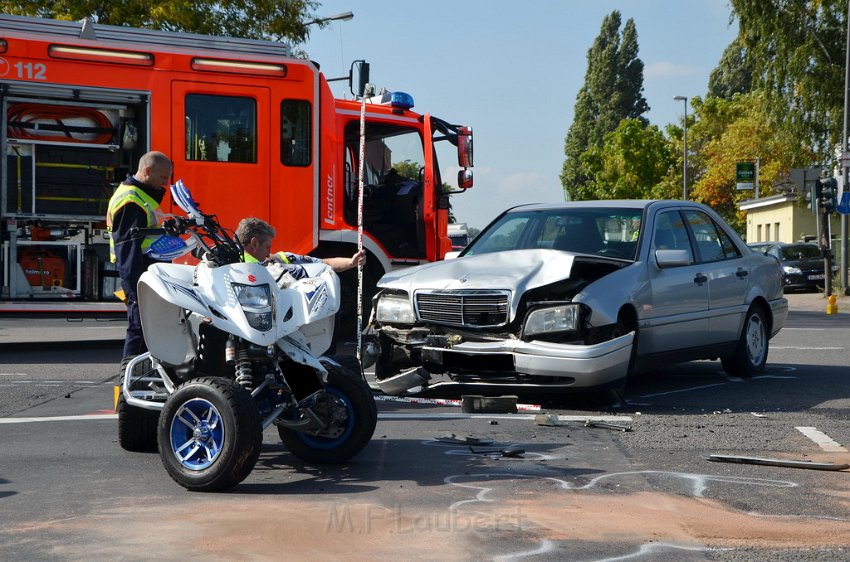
(831, 305)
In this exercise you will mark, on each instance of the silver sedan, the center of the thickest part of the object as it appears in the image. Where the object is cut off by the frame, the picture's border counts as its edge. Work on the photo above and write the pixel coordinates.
(579, 295)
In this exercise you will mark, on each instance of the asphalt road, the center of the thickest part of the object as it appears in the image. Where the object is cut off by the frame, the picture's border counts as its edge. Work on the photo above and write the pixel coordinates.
(69, 492)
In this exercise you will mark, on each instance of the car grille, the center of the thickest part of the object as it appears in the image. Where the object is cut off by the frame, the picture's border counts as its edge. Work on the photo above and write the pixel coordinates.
(463, 308)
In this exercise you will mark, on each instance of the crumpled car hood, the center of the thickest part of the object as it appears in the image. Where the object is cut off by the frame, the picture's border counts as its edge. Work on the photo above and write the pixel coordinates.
(515, 270)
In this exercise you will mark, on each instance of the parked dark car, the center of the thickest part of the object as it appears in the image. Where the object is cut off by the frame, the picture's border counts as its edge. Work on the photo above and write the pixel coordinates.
(802, 263)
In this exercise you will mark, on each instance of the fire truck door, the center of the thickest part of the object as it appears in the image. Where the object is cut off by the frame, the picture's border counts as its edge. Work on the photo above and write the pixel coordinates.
(220, 147)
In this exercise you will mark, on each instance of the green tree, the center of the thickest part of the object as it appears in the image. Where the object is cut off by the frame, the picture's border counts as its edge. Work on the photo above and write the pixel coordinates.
(733, 74)
(736, 130)
(796, 49)
(256, 19)
(612, 91)
(632, 161)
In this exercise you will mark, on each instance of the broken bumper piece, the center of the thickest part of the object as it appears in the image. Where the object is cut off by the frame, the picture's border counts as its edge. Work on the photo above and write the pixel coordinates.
(587, 366)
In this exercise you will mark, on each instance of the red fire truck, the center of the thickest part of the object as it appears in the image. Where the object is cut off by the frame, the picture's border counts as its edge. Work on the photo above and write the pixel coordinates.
(252, 131)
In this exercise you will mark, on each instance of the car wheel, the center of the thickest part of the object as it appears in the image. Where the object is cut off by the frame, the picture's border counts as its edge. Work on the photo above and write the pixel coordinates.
(626, 322)
(750, 355)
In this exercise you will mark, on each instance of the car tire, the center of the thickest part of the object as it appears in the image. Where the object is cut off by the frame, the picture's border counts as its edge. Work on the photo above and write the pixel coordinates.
(750, 355)
(627, 322)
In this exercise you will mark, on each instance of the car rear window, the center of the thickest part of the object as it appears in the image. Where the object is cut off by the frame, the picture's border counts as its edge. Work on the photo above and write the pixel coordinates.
(802, 252)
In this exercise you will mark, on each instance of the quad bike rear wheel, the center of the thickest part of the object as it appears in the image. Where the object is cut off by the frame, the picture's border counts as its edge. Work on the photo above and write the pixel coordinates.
(348, 408)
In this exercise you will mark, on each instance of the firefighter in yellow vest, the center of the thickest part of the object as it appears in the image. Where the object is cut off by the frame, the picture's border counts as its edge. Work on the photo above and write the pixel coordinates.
(135, 204)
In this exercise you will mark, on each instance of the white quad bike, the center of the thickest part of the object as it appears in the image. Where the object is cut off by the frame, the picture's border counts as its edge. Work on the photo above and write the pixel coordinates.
(232, 350)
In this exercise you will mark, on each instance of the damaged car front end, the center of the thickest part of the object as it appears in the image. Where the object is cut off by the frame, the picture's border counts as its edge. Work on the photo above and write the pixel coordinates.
(508, 318)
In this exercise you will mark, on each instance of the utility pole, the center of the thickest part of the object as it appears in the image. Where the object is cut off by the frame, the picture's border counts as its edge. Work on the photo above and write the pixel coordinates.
(844, 162)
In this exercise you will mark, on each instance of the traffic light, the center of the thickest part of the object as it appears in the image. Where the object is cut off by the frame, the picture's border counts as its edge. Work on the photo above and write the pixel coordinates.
(826, 190)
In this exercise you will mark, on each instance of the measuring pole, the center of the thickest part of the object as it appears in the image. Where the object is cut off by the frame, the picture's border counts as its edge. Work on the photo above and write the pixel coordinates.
(360, 187)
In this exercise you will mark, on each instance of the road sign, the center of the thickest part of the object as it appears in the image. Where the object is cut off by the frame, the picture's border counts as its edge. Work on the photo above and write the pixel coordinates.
(844, 206)
(745, 175)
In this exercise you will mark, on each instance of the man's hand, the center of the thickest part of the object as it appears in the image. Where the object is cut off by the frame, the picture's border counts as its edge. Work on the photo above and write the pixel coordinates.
(358, 259)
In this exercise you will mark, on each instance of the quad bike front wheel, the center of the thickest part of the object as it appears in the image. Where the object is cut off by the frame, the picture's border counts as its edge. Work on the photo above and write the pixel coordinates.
(348, 408)
(209, 434)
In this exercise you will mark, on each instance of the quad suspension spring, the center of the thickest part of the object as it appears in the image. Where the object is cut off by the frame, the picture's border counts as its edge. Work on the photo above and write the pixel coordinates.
(244, 373)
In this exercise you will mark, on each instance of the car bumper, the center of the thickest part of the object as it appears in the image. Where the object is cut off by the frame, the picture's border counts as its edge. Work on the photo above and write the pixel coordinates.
(582, 366)
(779, 313)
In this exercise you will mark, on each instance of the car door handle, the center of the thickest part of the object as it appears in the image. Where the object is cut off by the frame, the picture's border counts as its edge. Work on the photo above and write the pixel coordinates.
(699, 279)
(742, 273)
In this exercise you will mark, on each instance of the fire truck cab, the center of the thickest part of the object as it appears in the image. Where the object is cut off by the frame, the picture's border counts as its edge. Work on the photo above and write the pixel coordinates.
(250, 129)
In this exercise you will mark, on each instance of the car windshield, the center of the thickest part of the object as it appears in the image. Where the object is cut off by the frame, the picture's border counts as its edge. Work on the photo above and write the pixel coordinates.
(609, 232)
(801, 252)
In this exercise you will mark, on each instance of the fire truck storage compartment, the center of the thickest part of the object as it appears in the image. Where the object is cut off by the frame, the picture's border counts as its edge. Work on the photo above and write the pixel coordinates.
(47, 266)
(67, 181)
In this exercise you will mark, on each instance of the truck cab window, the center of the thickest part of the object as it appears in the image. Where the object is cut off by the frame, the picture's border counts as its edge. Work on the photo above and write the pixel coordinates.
(221, 128)
(295, 133)
(392, 201)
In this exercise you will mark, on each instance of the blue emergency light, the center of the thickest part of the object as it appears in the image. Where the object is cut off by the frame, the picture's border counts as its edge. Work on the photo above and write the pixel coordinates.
(401, 100)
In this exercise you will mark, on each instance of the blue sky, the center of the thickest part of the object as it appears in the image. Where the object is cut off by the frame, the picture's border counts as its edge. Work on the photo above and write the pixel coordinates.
(511, 70)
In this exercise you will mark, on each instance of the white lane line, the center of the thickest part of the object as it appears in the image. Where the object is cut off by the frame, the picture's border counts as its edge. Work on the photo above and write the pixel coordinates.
(463, 416)
(13, 375)
(681, 390)
(806, 348)
(382, 416)
(822, 440)
(60, 418)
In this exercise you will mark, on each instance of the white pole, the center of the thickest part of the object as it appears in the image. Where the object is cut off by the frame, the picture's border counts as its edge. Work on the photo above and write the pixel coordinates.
(360, 187)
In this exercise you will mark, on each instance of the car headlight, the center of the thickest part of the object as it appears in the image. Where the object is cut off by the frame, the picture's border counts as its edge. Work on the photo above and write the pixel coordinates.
(256, 303)
(563, 318)
(395, 309)
(791, 270)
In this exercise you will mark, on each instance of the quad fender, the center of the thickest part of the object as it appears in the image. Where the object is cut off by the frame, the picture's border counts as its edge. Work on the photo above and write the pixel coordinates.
(164, 292)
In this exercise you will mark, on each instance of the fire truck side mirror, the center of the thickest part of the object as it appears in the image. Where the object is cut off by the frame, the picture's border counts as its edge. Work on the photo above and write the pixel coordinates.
(464, 178)
(362, 77)
(464, 147)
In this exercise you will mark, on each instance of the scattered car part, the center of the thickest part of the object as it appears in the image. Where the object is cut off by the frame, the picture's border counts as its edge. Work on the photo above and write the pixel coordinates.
(779, 462)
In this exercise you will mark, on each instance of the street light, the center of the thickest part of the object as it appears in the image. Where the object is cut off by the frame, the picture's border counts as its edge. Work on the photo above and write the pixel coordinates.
(685, 147)
(344, 16)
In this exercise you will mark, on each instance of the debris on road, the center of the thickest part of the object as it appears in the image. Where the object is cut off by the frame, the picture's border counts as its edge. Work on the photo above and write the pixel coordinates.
(510, 452)
(779, 462)
(474, 403)
(546, 419)
(606, 425)
(463, 440)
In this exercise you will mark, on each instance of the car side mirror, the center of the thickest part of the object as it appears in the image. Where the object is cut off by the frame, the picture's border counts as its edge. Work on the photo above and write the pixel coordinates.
(671, 258)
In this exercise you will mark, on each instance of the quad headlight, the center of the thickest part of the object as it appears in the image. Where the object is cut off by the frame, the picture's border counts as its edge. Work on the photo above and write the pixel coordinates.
(256, 303)
(562, 318)
(395, 309)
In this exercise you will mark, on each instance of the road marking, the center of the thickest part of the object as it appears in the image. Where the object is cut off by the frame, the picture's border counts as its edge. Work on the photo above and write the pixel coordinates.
(60, 418)
(681, 390)
(806, 348)
(381, 416)
(822, 440)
